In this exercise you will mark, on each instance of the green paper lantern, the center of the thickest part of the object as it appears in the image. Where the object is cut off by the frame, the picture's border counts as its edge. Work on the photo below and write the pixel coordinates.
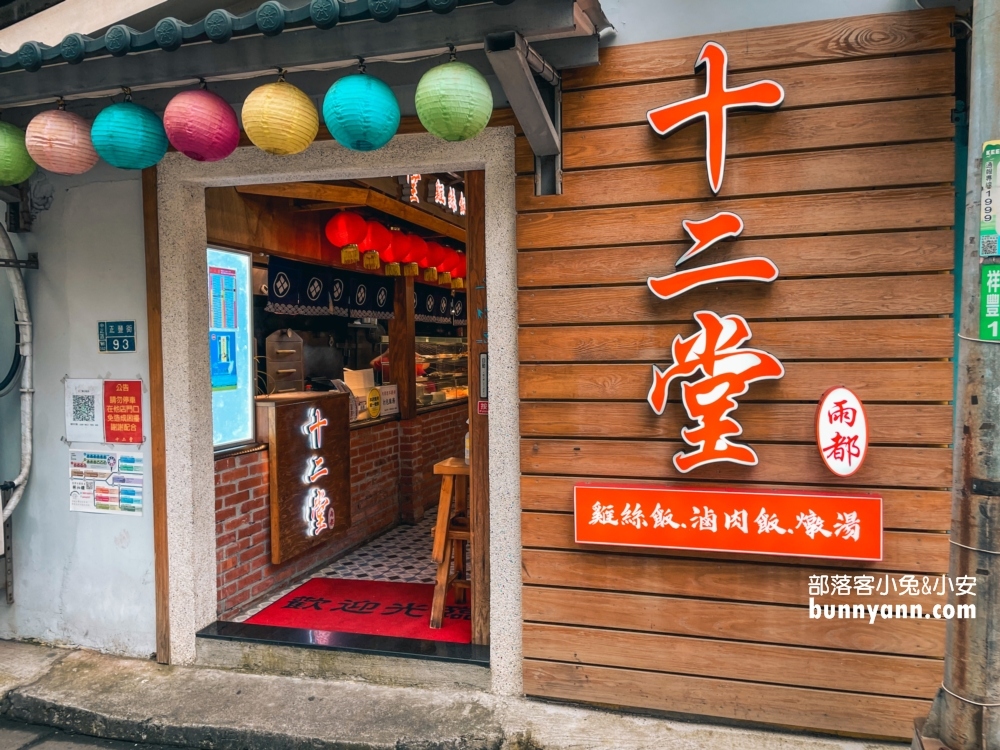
(16, 165)
(361, 112)
(454, 101)
(129, 136)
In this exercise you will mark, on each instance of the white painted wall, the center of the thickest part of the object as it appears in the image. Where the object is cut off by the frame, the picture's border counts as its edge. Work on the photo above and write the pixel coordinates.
(638, 21)
(81, 578)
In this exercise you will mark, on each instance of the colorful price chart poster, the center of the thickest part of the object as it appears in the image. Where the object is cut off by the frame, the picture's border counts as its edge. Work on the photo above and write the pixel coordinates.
(123, 411)
(105, 482)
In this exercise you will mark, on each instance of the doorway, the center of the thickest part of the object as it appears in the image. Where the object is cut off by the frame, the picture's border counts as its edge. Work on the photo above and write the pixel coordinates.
(189, 559)
(360, 289)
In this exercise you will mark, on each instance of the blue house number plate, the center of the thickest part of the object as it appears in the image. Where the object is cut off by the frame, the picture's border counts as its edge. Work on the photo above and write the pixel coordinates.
(116, 335)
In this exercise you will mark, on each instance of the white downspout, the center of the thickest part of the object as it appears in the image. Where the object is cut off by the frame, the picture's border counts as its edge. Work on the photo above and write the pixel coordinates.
(27, 391)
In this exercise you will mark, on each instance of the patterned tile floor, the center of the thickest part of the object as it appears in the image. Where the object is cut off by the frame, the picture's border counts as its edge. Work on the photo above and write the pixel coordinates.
(401, 555)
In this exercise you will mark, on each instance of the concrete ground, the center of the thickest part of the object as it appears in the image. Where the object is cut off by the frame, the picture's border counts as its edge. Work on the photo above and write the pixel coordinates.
(139, 701)
(16, 736)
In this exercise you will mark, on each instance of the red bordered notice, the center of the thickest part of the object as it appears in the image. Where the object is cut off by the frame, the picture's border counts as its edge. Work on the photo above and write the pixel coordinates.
(841, 526)
(123, 411)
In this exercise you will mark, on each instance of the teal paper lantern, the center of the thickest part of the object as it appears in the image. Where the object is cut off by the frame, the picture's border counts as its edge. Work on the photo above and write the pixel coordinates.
(361, 112)
(129, 136)
(16, 164)
(454, 101)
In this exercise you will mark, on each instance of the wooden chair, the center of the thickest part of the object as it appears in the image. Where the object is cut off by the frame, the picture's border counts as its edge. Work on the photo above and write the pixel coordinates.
(452, 533)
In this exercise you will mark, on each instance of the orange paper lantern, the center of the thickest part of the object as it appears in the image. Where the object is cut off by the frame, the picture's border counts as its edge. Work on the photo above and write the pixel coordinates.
(59, 141)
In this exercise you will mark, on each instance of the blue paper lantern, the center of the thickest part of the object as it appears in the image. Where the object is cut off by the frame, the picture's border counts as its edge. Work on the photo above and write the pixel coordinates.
(129, 136)
(361, 112)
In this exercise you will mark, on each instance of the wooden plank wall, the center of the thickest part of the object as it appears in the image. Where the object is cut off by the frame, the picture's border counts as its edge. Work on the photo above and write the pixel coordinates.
(848, 188)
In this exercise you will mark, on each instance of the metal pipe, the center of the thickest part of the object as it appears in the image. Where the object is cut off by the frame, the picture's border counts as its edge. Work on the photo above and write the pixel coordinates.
(27, 389)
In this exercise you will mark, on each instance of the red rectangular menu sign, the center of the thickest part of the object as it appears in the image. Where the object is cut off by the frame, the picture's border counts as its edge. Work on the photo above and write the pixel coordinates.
(845, 526)
(123, 411)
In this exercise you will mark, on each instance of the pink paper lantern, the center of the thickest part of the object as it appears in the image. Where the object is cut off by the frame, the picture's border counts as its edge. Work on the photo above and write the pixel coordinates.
(201, 125)
(59, 141)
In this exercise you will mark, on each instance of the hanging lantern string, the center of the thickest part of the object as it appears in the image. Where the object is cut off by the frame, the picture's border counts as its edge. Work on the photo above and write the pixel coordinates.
(281, 74)
(203, 84)
(250, 75)
(128, 93)
(452, 54)
(60, 103)
(361, 64)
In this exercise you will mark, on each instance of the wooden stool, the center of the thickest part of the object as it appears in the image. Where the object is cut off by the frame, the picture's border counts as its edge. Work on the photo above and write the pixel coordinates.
(452, 533)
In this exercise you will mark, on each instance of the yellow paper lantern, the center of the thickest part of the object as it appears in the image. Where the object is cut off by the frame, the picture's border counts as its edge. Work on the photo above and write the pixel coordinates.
(280, 118)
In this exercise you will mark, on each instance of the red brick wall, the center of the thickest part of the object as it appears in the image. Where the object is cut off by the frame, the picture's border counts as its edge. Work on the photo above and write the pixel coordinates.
(243, 521)
(392, 477)
(425, 440)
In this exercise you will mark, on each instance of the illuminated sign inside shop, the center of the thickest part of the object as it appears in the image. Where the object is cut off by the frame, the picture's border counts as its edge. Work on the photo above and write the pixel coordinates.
(449, 198)
(314, 428)
(308, 438)
(413, 180)
(317, 507)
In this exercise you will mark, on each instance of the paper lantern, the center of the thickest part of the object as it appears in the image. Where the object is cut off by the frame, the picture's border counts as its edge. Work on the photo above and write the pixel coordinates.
(454, 101)
(347, 231)
(129, 136)
(59, 141)
(201, 125)
(416, 249)
(280, 119)
(394, 253)
(15, 163)
(376, 240)
(361, 112)
(434, 258)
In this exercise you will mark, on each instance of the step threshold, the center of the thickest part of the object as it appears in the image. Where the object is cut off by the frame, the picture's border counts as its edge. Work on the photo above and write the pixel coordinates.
(409, 648)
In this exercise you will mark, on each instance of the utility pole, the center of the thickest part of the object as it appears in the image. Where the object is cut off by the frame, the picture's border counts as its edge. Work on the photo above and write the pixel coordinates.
(966, 711)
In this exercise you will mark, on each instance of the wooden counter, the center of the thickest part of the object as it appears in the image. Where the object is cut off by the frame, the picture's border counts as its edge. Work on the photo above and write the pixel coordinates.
(309, 453)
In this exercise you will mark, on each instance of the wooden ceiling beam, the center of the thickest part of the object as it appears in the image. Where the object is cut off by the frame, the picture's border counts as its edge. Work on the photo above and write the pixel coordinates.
(315, 191)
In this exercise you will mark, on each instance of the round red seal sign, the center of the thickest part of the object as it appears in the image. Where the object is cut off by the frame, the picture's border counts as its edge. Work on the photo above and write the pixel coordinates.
(841, 431)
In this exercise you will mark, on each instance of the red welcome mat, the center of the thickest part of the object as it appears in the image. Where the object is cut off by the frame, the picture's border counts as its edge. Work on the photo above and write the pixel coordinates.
(400, 610)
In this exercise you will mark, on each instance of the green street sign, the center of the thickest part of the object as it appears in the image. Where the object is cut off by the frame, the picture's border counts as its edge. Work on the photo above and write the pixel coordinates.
(989, 303)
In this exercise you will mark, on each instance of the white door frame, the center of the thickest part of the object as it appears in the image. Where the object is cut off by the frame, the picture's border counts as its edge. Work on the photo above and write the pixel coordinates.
(190, 468)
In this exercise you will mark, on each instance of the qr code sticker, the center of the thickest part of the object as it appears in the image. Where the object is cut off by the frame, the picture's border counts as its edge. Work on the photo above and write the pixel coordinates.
(988, 245)
(83, 408)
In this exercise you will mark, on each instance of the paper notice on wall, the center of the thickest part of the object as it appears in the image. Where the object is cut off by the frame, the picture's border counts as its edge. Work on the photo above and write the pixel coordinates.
(105, 482)
(84, 410)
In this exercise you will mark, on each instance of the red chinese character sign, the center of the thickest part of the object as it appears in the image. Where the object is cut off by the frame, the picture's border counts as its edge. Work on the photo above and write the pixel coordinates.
(715, 354)
(841, 431)
(767, 522)
(713, 107)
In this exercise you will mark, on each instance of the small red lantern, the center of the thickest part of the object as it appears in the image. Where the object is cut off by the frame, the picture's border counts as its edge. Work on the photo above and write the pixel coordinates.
(435, 256)
(415, 254)
(394, 253)
(376, 240)
(347, 231)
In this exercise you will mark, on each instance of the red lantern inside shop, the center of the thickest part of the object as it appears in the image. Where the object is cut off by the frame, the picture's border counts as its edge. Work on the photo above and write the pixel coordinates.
(393, 254)
(457, 270)
(435, 256)
(416, 252)
(376, 240)
(346, 231)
